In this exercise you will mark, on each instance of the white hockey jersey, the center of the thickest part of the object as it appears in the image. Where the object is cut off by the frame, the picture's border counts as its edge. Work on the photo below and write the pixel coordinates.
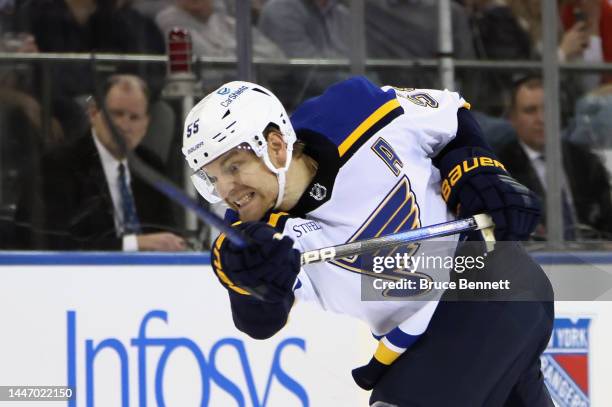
(374, 147)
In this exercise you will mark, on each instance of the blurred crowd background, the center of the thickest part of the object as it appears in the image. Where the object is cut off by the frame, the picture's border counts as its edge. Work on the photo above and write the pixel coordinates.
(51, 129)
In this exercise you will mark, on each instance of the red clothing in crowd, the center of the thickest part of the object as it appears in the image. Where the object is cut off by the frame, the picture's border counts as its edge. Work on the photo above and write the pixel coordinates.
(605, 27)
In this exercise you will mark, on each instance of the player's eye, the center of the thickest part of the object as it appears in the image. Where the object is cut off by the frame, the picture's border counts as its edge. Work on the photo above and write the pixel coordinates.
(233, 168)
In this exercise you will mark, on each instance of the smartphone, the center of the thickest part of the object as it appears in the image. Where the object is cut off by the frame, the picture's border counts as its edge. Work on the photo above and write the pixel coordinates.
(579, 15)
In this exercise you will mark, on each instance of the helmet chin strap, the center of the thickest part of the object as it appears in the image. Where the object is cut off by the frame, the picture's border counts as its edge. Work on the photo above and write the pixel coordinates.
(281, 177)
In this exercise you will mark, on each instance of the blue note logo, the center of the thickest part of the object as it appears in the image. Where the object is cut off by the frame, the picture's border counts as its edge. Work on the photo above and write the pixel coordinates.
(565, 362)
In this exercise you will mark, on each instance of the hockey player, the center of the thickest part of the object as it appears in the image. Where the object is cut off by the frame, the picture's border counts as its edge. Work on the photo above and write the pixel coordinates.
(357, 162)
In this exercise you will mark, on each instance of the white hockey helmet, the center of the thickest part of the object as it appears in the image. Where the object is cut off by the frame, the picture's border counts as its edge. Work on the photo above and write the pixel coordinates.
(235, 114)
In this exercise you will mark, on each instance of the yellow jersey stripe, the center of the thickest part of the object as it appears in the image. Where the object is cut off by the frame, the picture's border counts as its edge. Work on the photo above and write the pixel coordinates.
(367, 124)
(467, 105)
(274, 218)
(385, 355)
(219, 241)
(217, 263)
(231, 285)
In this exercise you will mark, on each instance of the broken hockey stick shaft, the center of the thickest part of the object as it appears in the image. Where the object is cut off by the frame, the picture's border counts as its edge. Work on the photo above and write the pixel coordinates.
(480, 222)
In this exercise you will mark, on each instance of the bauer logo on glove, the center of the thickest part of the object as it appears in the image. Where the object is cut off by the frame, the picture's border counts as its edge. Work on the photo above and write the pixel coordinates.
(476, 182)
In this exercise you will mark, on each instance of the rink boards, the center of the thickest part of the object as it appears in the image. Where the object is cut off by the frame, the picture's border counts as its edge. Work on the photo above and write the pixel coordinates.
(157, 330)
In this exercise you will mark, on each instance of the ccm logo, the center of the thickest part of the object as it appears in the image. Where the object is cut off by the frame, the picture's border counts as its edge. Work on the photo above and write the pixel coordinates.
(314, 256)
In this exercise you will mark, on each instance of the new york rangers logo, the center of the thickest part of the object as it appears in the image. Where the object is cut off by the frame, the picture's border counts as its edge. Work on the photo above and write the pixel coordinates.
(565, 363)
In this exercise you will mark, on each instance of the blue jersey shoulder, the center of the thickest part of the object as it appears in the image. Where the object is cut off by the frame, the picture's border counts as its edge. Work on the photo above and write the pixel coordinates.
(341, 109)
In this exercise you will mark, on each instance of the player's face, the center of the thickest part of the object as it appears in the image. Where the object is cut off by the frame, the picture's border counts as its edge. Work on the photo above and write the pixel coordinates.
(244, 182)
(127, 108)
(528, 117)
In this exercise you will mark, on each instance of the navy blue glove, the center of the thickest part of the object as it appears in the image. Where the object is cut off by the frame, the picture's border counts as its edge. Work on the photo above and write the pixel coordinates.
(475, 182)
(267, 268)
(515, 210)
(367, 376)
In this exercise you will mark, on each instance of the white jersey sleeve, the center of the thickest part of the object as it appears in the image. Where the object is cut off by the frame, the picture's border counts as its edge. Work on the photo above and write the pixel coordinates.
(432, 114)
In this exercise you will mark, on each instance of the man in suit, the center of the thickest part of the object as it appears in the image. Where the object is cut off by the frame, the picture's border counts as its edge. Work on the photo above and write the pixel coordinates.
(585, 187)
(84, 197)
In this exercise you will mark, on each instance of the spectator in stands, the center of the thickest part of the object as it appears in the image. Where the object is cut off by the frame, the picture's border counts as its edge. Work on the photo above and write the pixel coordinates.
(405, 29)
(230, 7)
(213, 34)
(24, 131)
(497, 32)
(512, 29)
(150, 8)
(595, 19)
(89, 26)
(585, 187)
(529, 16)
(497, 35)
(85, 197)
(593, 122)
(256, 7)
(307, 29)
(15, 80)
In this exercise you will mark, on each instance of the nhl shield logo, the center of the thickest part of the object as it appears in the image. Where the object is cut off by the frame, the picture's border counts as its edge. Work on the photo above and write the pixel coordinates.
(318, 192)
(565, 363)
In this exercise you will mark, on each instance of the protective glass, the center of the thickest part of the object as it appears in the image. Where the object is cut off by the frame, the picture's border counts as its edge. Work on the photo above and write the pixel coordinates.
(206, 184)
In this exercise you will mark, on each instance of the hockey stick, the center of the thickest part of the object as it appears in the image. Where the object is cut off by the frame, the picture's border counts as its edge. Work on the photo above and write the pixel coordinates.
(166, 187)
(481, 222)
(157, 180)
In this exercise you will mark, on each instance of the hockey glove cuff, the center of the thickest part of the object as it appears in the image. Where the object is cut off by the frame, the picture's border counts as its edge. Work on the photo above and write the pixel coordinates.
(268, 266)
(474, 181)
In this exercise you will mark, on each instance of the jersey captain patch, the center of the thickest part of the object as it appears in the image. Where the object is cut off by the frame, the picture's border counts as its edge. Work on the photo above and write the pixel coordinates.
(386, 153)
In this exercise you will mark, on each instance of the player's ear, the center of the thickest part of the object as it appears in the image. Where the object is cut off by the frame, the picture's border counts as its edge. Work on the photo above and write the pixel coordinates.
(277, 148)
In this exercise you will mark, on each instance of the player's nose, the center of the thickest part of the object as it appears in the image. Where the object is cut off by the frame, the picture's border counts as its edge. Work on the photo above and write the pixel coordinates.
(225, 187)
